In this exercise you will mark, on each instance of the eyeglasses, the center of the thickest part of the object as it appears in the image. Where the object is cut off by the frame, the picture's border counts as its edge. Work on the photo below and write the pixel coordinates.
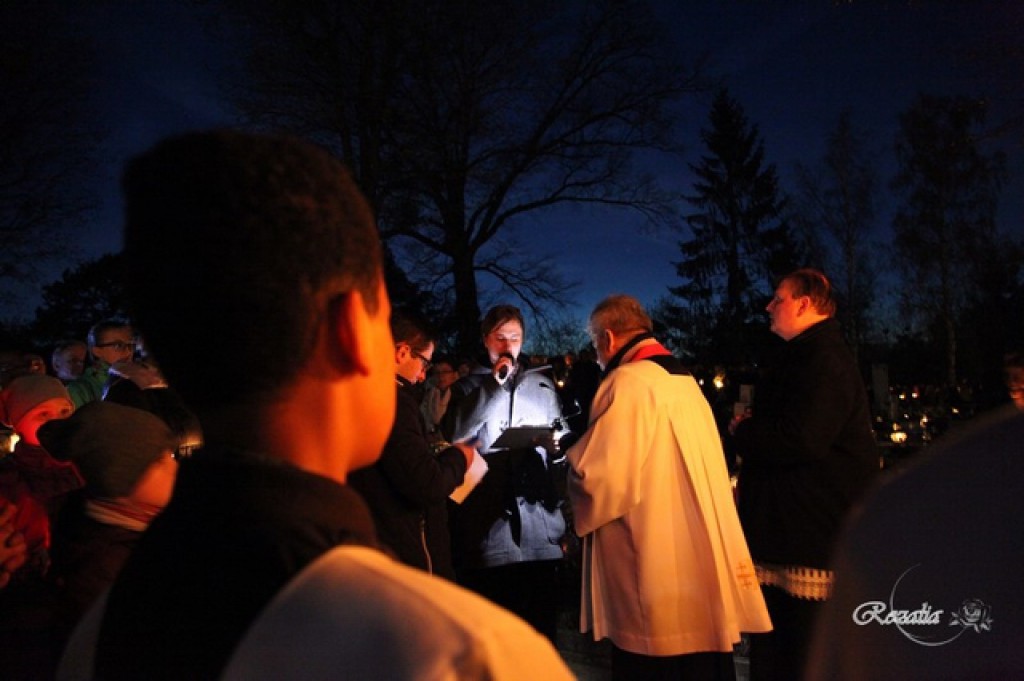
(117, 345)
(426, 362)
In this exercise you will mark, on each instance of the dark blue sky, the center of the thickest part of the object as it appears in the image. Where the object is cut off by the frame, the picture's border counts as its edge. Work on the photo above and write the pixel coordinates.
(793, 66)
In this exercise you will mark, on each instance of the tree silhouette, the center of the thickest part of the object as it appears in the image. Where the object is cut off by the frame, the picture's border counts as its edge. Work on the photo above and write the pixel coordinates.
(738, 243)
(46, 146)
(839, 198)
(460, 119)
(944, 228)
(86, 294)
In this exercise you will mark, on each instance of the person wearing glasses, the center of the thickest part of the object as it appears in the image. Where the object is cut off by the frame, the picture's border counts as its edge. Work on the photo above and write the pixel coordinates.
(437, 394)
(407, 488)
(506, 535)
(110, 341)
(265, 564)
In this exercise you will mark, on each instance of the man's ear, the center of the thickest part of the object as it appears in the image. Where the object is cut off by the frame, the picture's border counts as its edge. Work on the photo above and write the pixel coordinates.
(608, 338)
(349, 336)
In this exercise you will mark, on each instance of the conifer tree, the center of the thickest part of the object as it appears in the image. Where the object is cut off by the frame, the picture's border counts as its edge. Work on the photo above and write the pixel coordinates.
(738, 245)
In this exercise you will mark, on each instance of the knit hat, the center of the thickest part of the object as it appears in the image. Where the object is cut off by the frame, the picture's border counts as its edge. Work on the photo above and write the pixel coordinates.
(25, 393)
(112, 445)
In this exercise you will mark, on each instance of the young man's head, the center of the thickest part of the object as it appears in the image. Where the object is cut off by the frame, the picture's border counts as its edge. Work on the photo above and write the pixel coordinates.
(503, 331)
(414, 346)
(112, 340)
(68, 359)
(253, 262)
(444, 373)
(802, 299)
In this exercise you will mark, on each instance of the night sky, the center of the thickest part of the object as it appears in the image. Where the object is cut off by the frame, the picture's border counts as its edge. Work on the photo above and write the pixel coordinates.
(793, 66)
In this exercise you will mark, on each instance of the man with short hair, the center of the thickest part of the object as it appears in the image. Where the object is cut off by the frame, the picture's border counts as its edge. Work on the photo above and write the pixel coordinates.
(263, 565)
(808, 454)
(407, 489)
(68, 360)
(110, 341)
(666, 572)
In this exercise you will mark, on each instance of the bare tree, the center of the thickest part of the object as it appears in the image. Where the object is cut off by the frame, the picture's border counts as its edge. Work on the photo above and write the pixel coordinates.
(461, 118)
(945, 231)
(839, 197)
(46, 146)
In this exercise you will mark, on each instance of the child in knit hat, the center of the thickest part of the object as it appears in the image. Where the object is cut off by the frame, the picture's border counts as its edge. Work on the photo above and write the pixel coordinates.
(29, 477)
(126, 457)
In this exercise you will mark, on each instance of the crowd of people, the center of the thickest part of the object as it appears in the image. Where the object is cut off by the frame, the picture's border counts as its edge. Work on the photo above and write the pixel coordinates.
(371, 508)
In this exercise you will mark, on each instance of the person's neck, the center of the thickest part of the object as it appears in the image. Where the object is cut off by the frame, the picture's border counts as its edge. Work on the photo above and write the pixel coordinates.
(301, 431)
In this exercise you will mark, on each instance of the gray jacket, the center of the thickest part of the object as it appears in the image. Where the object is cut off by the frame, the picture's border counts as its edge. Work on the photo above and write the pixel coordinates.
(514, 514)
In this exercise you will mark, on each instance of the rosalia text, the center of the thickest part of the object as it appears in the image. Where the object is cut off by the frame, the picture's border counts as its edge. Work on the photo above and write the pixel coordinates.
(879, 613)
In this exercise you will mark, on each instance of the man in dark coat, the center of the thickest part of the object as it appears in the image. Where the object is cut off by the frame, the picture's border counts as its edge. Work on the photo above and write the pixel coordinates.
(808, 453)
(407, 489)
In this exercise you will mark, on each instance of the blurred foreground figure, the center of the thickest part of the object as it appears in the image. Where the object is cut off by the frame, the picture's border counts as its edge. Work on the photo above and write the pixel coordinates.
(928, 574)
(666, 572)
(263, 565)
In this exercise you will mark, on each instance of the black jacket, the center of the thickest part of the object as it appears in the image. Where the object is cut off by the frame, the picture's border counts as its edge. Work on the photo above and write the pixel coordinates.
(407, 490)
(808, 452)
(239, 526)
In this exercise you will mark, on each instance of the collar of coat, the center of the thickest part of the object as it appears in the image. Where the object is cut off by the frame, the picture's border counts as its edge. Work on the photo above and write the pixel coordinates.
(639, 347)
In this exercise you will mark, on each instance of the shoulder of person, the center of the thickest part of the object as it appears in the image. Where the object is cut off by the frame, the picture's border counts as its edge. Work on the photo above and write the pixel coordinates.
(356, 613)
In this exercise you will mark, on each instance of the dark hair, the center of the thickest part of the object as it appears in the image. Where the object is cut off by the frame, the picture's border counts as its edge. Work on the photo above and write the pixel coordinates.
(498, 315)
(103, 326)
(815, 285)
(235, 245)
(408, 327)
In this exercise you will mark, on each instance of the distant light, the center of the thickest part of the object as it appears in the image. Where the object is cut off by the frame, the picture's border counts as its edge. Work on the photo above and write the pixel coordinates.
(719, 381)
(898, 437)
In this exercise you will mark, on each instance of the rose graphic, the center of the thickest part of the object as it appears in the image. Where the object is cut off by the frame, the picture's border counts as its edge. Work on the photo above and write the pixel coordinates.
(973, 614)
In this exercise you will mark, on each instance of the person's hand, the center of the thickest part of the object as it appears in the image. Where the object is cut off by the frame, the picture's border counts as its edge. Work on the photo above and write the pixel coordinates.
(503, 369)
(549, 442)
(13, 549)
(737, 420)
(468, 450)
(139, 373)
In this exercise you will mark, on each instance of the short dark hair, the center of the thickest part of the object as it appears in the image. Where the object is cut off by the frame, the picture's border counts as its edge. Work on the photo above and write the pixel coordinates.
(410, 328)
(815, 285)
(500, 314)
(241, 241)
(104, 325)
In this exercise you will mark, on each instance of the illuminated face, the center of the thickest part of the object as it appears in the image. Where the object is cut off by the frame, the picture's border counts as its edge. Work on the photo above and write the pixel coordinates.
(412, 365)
(69, 363)
(504, 339)
(1015, 386)
(52, 409)
(114, 345)
(785, 312)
